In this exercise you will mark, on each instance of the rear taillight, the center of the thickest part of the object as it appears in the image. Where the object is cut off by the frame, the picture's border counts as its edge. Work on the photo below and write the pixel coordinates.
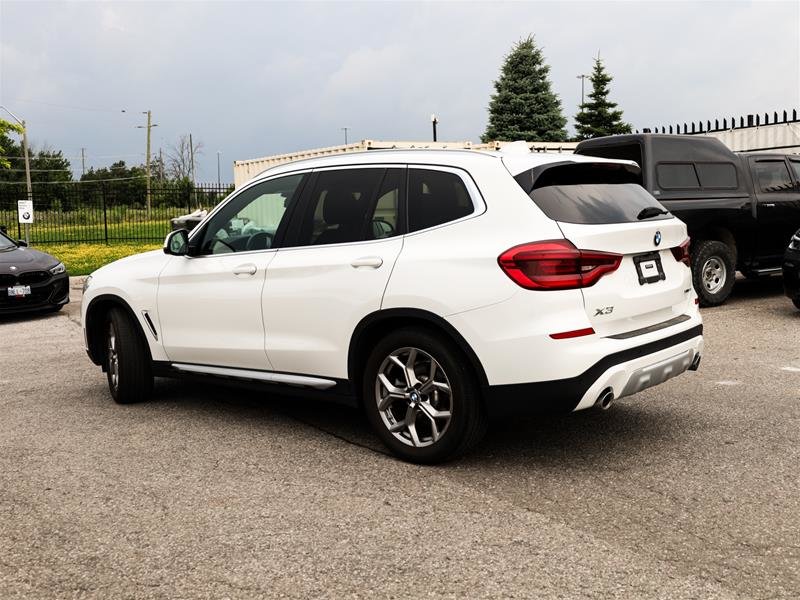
(556, 265)
(681, 253)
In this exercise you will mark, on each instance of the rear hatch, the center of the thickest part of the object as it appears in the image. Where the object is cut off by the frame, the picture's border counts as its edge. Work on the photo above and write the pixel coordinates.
(601, 208)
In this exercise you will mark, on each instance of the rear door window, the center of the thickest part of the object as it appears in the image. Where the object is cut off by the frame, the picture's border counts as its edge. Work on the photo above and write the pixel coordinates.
(590, 194)
(773, 177)
(339, 207)
(436, 197)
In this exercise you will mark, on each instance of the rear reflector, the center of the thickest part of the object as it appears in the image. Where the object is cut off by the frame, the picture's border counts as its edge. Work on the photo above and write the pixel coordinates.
(556, 265)
(681, 253)
(572, 334)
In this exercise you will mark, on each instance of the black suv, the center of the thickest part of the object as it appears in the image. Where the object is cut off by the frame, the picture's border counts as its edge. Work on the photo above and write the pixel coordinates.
(791, 270)
(741, 209)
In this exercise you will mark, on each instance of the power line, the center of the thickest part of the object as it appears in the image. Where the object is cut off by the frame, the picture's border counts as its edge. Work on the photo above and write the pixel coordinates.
(66, 182)
(36, 170)
(77, 157)
(69, 106)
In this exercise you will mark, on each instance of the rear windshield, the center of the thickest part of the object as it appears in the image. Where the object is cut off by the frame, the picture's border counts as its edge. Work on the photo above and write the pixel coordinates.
(591, 194)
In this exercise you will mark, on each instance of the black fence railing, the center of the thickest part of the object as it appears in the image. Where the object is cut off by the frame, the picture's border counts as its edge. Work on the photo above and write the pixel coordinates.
(103, 211)
(724, 125)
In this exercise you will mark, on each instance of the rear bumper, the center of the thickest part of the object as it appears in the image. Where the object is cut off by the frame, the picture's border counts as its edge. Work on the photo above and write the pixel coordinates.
(625, 373)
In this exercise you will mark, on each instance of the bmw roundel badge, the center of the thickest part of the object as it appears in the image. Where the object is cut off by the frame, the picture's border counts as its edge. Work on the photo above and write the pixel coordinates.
(657, 238)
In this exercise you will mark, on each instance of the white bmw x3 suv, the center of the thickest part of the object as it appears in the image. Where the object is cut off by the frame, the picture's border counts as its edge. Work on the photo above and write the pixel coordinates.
(434, 289)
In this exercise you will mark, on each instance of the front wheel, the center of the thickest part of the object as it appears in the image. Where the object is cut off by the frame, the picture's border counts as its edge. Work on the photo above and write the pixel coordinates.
(422, 398)
(713, 271)
(128, 365)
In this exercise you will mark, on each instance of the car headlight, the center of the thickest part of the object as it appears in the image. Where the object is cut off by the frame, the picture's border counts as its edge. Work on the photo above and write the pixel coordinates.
(86, 283)
(58, 269)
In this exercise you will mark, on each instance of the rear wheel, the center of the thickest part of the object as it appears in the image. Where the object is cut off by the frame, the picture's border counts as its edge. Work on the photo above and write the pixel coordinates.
(128, 367)
(713, 271)
(421, 397)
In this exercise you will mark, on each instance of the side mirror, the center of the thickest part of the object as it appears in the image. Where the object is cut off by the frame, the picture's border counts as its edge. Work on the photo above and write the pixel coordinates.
(177, 243)
(22, 243)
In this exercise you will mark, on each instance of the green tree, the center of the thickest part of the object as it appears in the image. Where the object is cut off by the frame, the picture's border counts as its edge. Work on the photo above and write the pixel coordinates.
(599, 116)
(6, 127)
(122, 185)
(524, 106)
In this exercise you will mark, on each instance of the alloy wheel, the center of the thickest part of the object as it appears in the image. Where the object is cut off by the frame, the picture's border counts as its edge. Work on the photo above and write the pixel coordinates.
(414, 397)
(113, 357)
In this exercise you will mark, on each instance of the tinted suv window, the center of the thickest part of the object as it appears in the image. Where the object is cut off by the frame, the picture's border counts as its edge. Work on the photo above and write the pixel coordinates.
(795, 167)
(717, 175)
(773, 176)
(436, 197)
(680, 176)
(251, 219)
(589, 193)
(339, 207)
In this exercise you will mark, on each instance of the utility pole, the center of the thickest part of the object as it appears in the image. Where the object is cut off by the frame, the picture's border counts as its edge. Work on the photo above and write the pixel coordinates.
(161, 164)
(434, 122)
(582, 77)
(149, 126)
(191, 158)
(345, 134)
(83, 161)
(26, 152)
(219, 181)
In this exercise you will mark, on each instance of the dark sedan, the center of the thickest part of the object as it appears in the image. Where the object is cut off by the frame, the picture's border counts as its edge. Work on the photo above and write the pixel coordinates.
(791, 270)
(30, 280)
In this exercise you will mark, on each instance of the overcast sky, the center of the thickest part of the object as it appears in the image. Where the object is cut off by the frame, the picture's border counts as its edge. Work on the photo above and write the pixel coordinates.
(259, 78)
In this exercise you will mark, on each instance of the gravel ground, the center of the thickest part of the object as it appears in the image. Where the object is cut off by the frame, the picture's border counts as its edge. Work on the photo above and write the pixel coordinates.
(688, 490)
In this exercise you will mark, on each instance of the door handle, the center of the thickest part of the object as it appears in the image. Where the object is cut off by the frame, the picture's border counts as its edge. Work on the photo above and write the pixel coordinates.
(768, 205)
(248, 269)
(367, 261)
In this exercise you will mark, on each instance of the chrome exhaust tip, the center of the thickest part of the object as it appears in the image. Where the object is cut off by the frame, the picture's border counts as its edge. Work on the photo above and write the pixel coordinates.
(606, 399)
(695, 363)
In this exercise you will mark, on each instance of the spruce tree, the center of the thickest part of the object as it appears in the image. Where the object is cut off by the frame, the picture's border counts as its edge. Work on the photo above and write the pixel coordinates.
(524, 106)
(599, 116)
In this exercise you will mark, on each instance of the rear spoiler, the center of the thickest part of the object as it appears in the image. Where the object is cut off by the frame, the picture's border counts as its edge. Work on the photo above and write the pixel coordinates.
(571, 172)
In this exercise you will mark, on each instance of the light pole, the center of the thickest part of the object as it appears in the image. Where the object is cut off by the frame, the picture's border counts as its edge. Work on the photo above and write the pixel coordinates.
(345, 129)
(582, 77)
(219, 181)
(27, 162)
(434, 122)
(149, 126)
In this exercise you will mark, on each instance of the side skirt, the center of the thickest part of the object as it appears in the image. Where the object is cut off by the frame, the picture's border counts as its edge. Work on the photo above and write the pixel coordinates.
(338, 391)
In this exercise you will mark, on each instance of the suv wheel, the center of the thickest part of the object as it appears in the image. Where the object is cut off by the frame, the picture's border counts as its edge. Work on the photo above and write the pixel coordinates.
(796, 302)
(128, 368)
(421, 397)
(713, 272)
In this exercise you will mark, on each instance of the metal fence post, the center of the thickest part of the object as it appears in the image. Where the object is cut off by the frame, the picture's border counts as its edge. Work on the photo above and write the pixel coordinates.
(105, 216)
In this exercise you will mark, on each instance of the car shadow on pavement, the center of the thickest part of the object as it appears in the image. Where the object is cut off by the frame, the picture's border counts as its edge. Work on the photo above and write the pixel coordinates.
(28, 316)
(586, 438)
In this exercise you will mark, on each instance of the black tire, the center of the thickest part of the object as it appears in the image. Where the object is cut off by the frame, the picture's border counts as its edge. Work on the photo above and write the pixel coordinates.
(128, 363)
(467, 422)
(796, 302)
(713, 271)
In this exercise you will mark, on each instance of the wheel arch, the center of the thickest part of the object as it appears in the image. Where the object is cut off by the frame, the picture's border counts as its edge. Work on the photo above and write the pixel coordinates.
(376, 324)
(719, 233)
(96, 312)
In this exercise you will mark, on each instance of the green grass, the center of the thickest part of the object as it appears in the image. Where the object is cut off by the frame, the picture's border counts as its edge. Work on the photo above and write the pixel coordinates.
(119, 224)
(82, 259)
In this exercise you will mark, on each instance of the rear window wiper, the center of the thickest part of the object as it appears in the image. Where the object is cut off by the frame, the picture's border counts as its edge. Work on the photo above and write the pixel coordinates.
(650, 212)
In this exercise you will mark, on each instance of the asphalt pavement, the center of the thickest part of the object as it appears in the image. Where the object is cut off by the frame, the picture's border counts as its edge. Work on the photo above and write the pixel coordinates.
(687, 490)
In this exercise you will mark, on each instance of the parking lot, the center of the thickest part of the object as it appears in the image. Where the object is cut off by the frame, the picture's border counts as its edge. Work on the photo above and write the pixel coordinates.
(688, 490)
